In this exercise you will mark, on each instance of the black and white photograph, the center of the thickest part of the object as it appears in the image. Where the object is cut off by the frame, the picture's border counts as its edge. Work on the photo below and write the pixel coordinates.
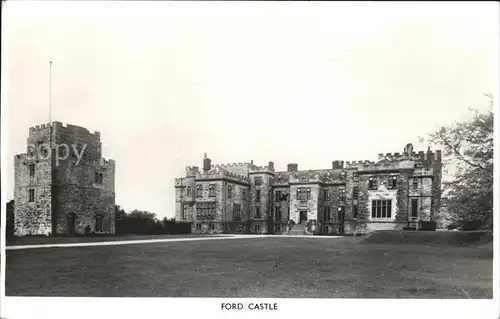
(287, 159)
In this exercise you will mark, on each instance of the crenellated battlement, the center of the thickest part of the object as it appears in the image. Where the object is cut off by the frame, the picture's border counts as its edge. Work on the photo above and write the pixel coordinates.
(416, 156)
(107, 162)
(381, 166)
(222, 174)
(70, 129)
(230, 165)
(191, 171)
(21, 157)
(353, 164)
(39, 128)
(261, 169)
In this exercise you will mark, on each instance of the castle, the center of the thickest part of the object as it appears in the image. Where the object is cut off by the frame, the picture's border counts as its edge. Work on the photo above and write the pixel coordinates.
(399, 190)
(62, 184)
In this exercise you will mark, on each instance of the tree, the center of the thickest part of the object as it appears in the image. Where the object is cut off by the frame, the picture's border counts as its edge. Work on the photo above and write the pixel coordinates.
(468, 146)
(141, 214)
(119, 212)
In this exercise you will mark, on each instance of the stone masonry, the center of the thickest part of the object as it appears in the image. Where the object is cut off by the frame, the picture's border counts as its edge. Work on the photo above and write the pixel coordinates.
(59, 192)
(398, 190)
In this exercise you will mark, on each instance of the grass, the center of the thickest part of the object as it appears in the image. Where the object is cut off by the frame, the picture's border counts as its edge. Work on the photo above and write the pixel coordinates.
(255, 267)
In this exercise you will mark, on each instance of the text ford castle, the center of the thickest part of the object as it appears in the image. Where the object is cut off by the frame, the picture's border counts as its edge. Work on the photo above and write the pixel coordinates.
(399, 190)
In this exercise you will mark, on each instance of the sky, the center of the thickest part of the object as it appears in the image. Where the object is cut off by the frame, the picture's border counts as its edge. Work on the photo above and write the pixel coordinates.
(300, 82)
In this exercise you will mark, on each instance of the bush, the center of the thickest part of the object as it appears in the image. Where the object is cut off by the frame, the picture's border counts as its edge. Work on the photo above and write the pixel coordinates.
(473, 225)
(428, 226)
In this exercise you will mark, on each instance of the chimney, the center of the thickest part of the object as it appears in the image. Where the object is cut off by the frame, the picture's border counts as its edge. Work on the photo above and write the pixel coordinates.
(292, 167)
(271, 166)
(207, 163)
(409, 149)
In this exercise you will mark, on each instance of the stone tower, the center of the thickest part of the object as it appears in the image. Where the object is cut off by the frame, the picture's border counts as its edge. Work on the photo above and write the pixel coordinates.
(62, 183)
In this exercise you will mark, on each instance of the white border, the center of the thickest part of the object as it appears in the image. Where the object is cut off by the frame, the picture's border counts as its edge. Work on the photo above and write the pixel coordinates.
(3, 150)
(16, 307)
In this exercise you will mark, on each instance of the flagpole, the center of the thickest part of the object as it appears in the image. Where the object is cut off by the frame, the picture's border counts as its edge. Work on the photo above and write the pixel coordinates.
(50, 92)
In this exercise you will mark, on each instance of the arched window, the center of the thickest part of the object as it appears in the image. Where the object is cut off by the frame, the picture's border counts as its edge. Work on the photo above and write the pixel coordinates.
(98, 223)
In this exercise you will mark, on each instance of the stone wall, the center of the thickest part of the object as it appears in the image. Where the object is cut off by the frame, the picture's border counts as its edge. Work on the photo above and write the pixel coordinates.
(32, 218)
(75, 187)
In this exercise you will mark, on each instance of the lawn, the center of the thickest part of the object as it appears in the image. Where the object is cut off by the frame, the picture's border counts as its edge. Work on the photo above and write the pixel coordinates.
(254, 267)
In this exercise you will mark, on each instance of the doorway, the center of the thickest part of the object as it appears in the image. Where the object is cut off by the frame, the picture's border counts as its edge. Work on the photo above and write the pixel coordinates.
(414, 207)
(71, 223)
(341, 218)
(303, 217)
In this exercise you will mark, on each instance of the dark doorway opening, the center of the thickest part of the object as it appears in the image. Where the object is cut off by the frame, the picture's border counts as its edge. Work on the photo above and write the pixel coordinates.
(303, 217)
(71, 224)
(414, 207)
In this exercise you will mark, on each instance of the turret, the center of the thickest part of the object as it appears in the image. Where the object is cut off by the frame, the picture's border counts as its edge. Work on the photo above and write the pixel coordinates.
(337, 164)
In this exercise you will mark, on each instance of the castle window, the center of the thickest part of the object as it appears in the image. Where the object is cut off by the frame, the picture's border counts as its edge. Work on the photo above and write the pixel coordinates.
(188, 191)
(372, 183)
(257, 196)
(303, 193)
(326, 194)
(277, 213)
(381, 208)
(415, 183)
(257, 228)
(62, 150)
(184, 211)
(355, 192)
(327, 213)
(355, 211)
(98, 223)
(355, 178)
(98, 178)
(277, 196)
(229, 191)
(198, 226)
(199, 191)
(205, 210)
(32, 170)
(342, 195)
(393, 182)
(257, 212)
(31, 195)
(258, 181)
(341, 214)
(236, 212)
(211, 190)
(211, 226)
